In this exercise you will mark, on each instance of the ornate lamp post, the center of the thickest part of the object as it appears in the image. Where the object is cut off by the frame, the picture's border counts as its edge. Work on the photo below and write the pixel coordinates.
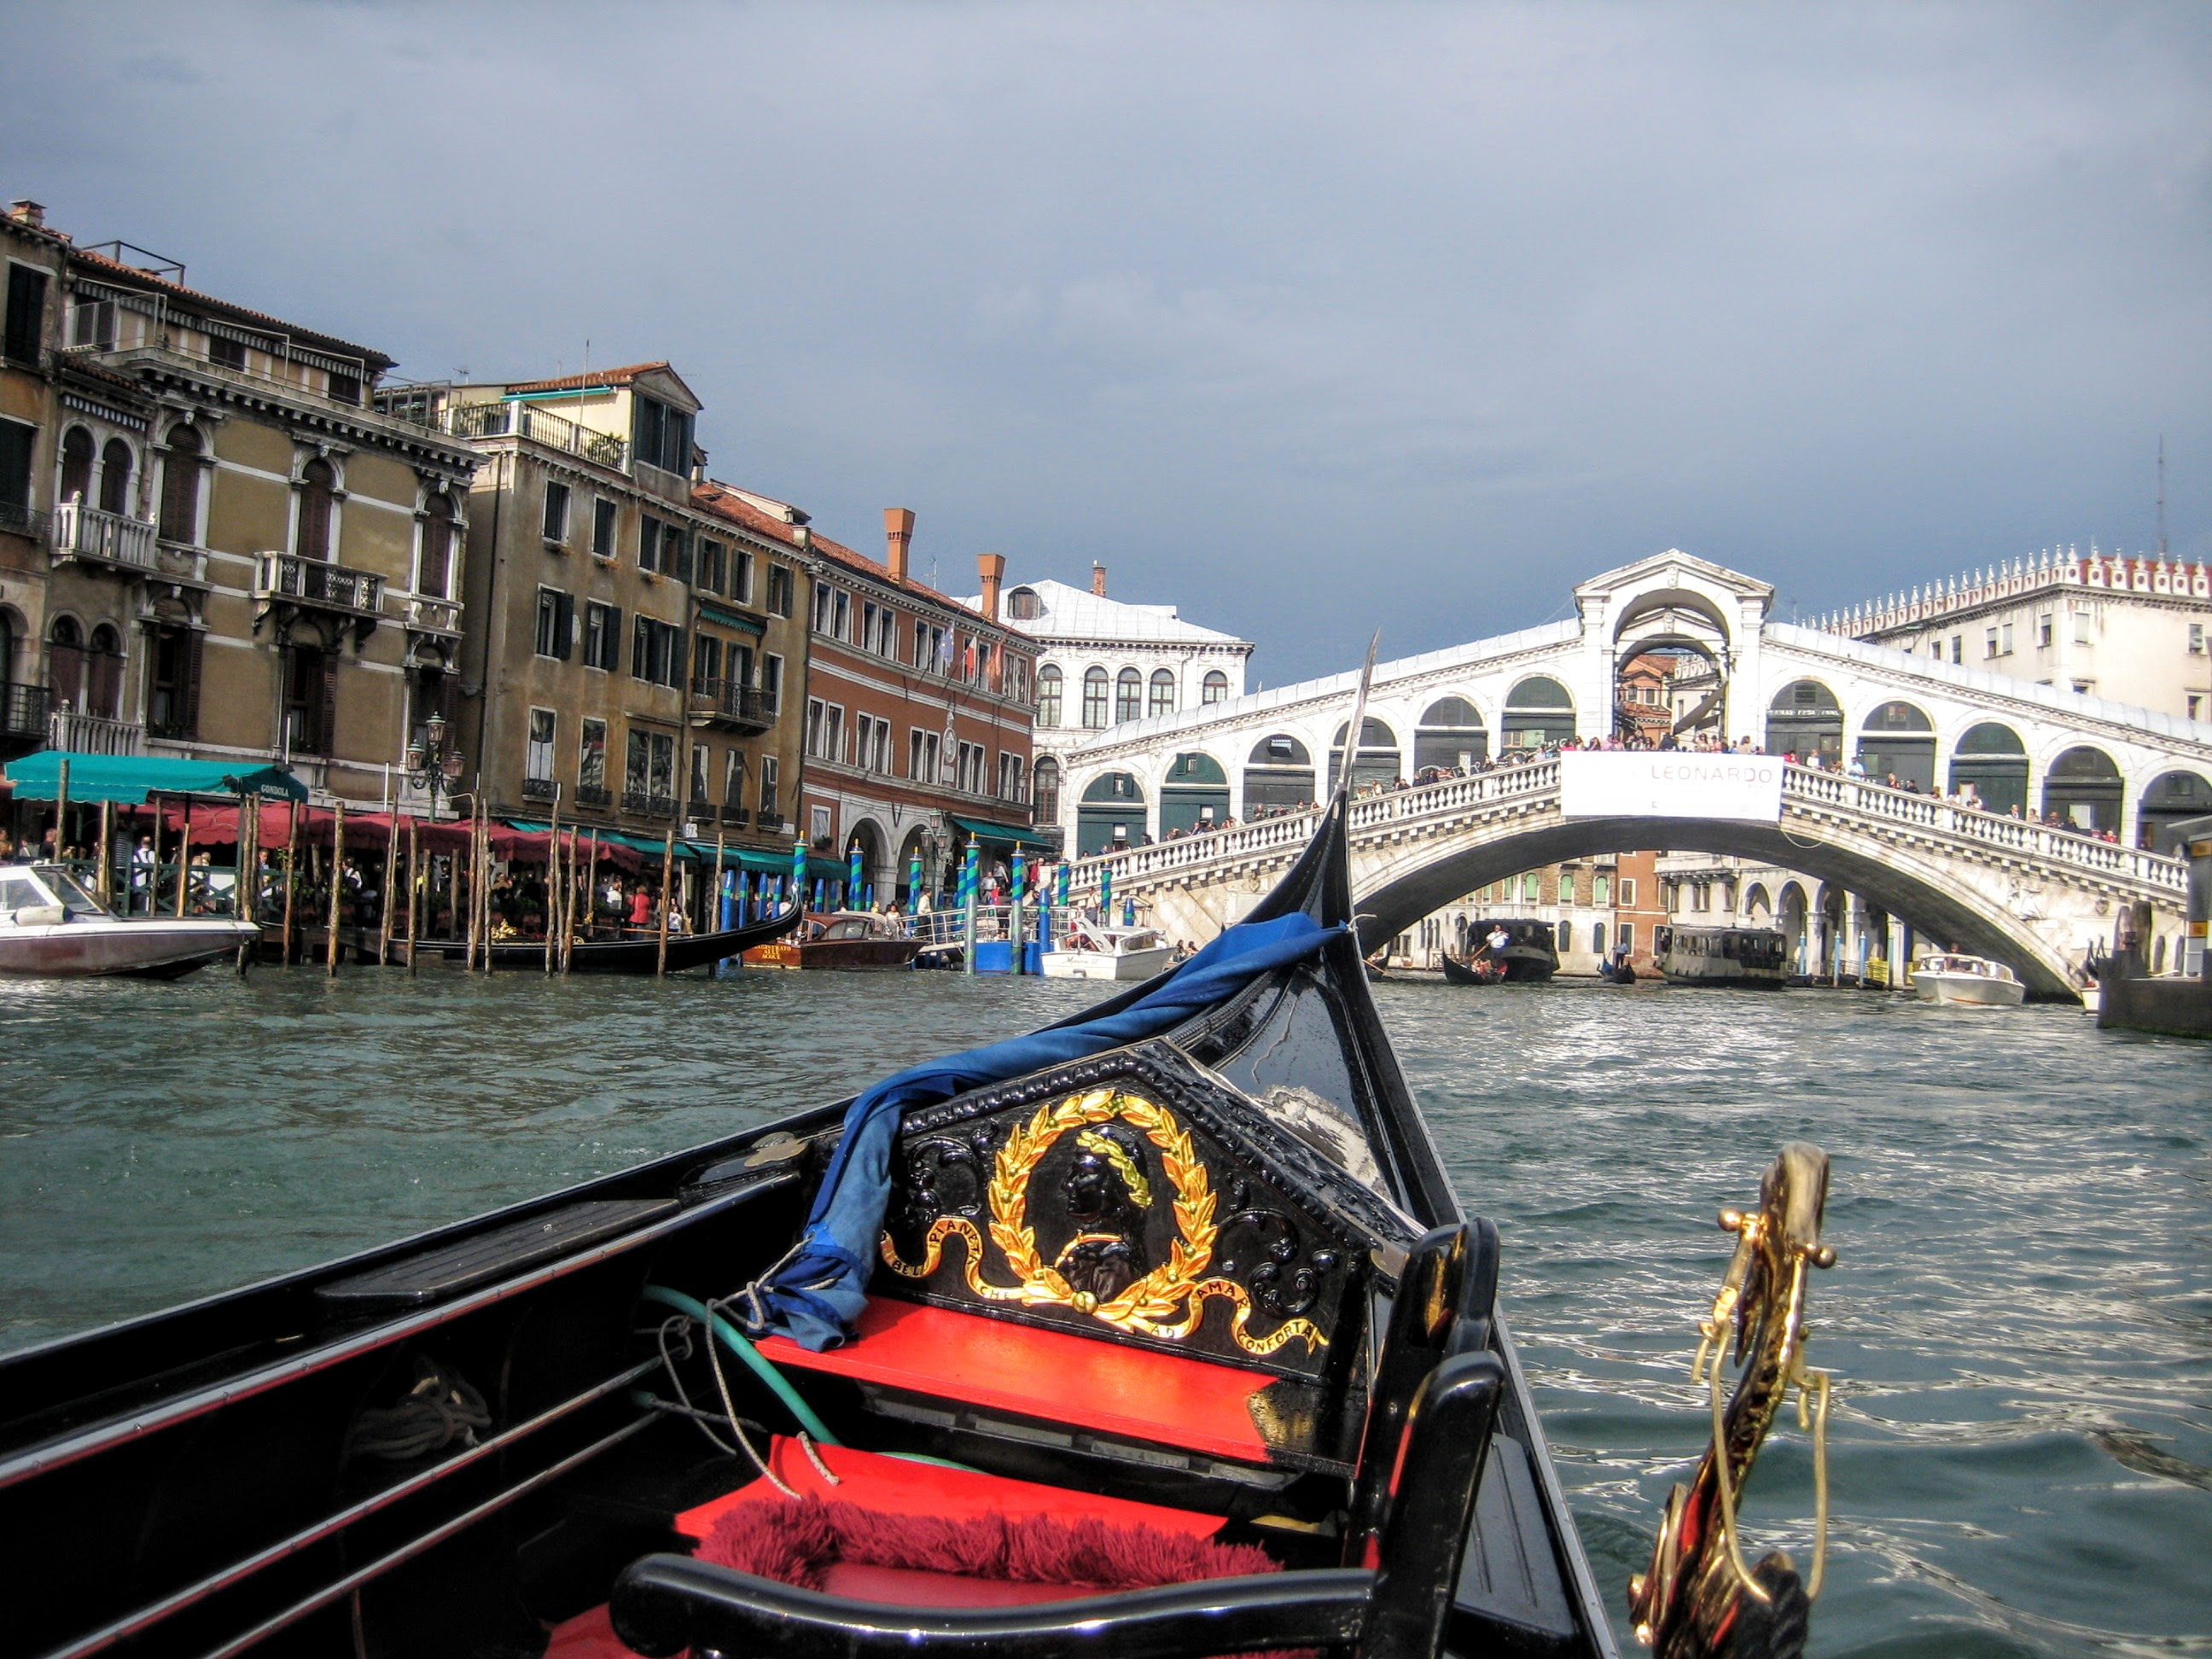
(431, 766)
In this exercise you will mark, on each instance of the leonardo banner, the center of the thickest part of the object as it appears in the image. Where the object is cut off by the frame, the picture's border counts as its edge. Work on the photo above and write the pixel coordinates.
(1669, 784)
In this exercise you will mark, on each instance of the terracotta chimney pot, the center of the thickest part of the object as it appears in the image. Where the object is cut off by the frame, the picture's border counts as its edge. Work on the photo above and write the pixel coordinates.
(25, 211)
(1098, 579)
(993, 569)
(898, 531)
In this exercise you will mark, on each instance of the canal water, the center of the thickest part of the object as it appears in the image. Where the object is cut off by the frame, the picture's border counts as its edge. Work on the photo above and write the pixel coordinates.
(2020, 1326)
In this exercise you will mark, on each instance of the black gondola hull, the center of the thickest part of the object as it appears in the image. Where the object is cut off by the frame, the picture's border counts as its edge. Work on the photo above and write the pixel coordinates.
(636, 955)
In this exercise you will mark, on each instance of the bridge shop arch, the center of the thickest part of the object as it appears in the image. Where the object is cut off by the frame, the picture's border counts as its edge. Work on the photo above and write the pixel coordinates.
(2170, 798)
(1539, 710)
(1990, 757)
(1110, 815)
(2085, 789)
(1278, 777)
(1195, 791)
(1378, 761)
(1805, 719)
(1451, 733)
(1898, 738)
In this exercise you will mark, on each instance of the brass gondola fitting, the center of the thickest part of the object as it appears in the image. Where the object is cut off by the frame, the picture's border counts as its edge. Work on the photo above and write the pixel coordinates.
(1700, 1594)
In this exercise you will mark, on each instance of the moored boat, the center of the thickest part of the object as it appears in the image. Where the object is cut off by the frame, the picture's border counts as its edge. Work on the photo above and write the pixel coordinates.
(1746, 958)
(638, 953)
(1089, 949)
(50, 927)
(1113, 1338)
(839, 939)
(1974, 981)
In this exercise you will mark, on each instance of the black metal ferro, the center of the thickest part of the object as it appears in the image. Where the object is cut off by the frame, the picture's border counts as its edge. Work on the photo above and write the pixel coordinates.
(665, 1603)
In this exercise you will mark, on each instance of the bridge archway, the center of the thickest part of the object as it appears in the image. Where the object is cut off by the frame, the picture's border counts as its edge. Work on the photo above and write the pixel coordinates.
(1992, 757)
(1790, 920)
(1899, 738)
(1194, 792)
(1278, 777)
(1450, 733)
(1111, 814)
(1539, 711)
(2170, 798)
(1805, 719)
(1378, 761)
(2085, 789)
(1402, 884)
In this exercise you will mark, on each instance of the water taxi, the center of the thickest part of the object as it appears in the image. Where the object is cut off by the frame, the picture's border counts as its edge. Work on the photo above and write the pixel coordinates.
(1970, 980)
(50, 927)
(1754, 958)
(839, 939)
(1089, 949)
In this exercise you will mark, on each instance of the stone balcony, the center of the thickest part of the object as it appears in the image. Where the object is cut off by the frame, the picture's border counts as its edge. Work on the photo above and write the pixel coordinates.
(115, 540)
(727, 704)
(285, 584)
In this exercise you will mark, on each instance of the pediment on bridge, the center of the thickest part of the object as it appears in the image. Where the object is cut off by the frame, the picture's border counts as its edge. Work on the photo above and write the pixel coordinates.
(1673, 569)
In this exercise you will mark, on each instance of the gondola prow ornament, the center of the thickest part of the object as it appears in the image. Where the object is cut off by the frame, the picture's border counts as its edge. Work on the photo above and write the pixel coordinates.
(1698, 1597)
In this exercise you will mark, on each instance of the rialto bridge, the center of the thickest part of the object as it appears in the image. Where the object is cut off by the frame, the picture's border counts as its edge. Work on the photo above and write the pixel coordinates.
(2035, 897)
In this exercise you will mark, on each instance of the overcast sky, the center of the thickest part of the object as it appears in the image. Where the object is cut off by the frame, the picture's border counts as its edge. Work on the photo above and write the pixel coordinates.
(1308, 319)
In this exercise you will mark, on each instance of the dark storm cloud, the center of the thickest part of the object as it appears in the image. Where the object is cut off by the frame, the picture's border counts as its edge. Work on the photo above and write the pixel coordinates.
(1305, 318)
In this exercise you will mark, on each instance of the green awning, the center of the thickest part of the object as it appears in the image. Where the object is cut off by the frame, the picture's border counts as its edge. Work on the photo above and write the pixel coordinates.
(722, 616)
(131, 780)
(651, 847)
(1005, 834)
(749, 858)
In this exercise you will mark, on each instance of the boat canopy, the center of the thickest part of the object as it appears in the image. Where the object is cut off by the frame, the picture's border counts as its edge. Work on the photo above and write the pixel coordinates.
(132, 779)
(1005, 834)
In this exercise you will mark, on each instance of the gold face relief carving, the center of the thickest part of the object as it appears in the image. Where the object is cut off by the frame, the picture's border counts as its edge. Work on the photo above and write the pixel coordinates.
(1101, 1271)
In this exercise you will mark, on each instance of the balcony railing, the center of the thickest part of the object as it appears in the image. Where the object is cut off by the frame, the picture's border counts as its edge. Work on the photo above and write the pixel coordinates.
(647, 805)
(593, 794)
(737, 816)
(310, 581)
(94, 734)
(427, 615)
(728, 702)
(18, 519)
(521, 420)
(539, 789)
(771, 821)
(86, 532)
(23, 711)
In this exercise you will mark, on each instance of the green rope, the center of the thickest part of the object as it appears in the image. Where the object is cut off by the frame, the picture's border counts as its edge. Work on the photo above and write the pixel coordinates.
(734, 1341)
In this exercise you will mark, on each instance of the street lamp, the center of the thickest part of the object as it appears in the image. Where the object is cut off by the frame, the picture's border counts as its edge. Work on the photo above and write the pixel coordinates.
(431, 766)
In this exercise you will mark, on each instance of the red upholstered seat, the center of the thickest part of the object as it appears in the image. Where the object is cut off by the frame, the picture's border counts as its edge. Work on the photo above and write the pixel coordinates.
(898, 1486)
(1139, 1394)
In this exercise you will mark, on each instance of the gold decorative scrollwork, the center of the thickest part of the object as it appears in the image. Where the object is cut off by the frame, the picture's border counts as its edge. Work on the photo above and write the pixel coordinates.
(1167, 1301)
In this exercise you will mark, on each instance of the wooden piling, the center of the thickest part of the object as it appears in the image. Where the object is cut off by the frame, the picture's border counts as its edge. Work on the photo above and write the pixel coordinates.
(337, 880)
(61, 810)
(184, 859)
(384, 908)
(667, 898)
(414, 897)
(104, 889)
(291, 880)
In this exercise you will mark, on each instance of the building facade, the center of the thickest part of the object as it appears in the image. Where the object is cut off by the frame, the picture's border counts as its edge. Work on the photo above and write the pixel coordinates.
(1101, 663)
(36, 270)
(919, 713)
(245, 557)
(629, 647)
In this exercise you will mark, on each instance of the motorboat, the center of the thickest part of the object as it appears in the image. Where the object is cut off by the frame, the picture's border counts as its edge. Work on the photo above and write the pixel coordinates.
(1530, 953)
(1115, 1338)
(1092, 950)
(1746, 958)
(1975, 981)
(51, 926)
(839, 939)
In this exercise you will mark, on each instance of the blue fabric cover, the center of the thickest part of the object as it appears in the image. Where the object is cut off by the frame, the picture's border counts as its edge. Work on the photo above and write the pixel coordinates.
(815, 1296)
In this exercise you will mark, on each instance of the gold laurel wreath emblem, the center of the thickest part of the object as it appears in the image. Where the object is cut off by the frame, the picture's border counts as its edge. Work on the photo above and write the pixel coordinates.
(1167, 1301)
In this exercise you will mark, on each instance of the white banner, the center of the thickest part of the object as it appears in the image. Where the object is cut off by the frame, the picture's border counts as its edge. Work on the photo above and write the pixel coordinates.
(1669, 784)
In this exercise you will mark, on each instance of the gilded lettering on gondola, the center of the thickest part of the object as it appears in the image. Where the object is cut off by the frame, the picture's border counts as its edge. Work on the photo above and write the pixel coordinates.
(1105, 1269)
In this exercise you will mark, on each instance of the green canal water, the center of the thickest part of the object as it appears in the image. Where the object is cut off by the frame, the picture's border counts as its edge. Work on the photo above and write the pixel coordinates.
(2021, 1325)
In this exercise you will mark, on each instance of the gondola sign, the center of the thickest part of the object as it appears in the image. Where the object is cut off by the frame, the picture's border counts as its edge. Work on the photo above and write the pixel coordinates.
(1670, 784)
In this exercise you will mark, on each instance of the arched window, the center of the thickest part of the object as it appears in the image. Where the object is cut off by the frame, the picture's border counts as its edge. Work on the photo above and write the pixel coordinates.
(77, 465)
(1538, 712)
(318, 491)
(181, 487)
(1899, 740)
(1213, 689)
(115, 464)
(2084, 790)
(65, 663)
(1806, 720)
(437, 546)
(1278, 777)
(1022, 605)
(1094, 699)
(1164, 692)
(1991, 758)
(1045, 789)
(1128, 695)
(1450, 734)
(1597, 939)
(103, 688)
(1048, 694)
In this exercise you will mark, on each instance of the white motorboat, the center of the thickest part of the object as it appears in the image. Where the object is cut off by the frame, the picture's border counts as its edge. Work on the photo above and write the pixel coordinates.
(51, 926)
(1091, 950)
(1972, 980)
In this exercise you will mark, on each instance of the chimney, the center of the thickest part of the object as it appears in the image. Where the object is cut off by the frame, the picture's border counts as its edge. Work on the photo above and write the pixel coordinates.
(898, 531)
(25, 211)
(1098, 579)
(993, 569)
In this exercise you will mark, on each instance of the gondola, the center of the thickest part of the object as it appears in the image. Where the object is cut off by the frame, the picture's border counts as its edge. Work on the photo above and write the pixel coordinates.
(1119, 1339)
(1472, 972)
(639, 955)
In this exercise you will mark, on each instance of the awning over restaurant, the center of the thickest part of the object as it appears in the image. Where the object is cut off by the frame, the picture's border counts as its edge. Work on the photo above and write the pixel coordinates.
(1006, 835)
(132, 780)
(651, 847)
